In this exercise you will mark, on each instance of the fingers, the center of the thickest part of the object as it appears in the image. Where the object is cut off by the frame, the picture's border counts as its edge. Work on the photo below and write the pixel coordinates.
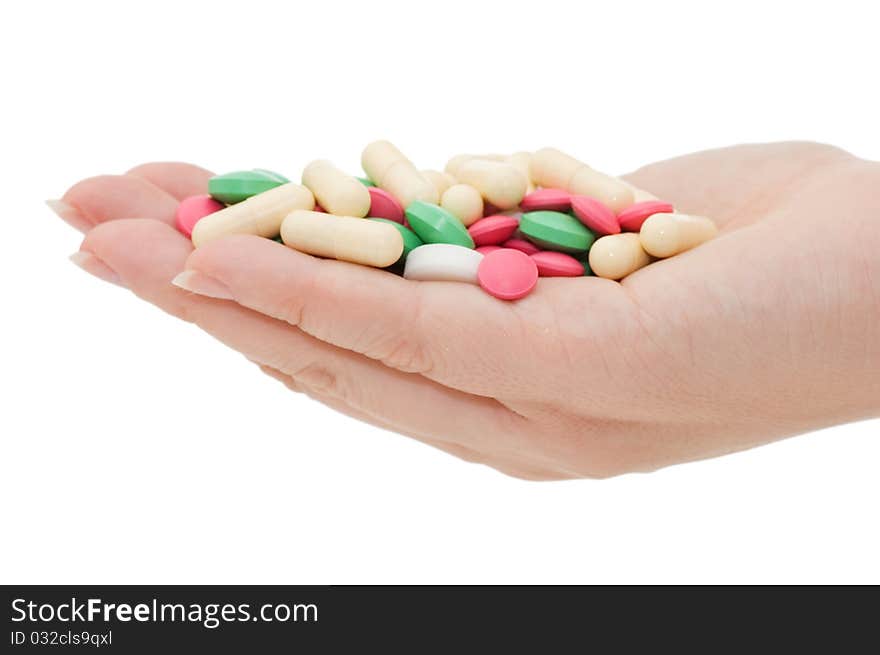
(449, 332)
(146, 255)
(175, 178)
(109, 197)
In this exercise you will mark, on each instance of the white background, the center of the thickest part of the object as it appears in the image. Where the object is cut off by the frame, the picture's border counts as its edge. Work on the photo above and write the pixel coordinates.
(136, 449)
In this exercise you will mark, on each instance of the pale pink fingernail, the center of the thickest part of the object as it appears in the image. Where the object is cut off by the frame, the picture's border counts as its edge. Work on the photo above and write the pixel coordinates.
(70, 214)
(91, 264)
(202, 284)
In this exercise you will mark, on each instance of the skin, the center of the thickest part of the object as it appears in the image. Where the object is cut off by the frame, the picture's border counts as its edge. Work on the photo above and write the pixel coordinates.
(770, 330)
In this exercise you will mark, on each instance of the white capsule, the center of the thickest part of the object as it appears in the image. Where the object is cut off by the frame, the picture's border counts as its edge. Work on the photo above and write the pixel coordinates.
(386, 166)
(261, 214)
(554, 169)
(347, 238)
(464, 202)
(498, 182)
(617, 255)
(665, 235)
(440, 180)
(442, 262)
(521, 161)
(336, 192)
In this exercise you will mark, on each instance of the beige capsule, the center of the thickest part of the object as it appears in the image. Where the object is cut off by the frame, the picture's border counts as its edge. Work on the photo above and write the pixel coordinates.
(336, 192)
(346, 238)
(617, 255)
(665, 235)
(551, 168)
(440, 180)
(464, 202)
(521, 161)
(392, 171)
(261, 214)
(498, 182)
(639, 195)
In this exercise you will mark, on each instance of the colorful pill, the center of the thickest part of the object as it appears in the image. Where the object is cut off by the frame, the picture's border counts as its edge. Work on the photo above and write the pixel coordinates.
(557, 264)
(498, 182)
(443, 262)
(556, 231)
(346, 238)
(191, 210)
(631, 218)
(493, 230)
(238, 186)
(336, 192)
(384, 205)
(546, 199)
(595, 215)
(390, 170)
(522, 245)
(617, 255)
(552, 168)
(433, 224)
(260, 215)
(485, 250)
(521, 161)
(639, 195)
(665, 235)
(507, 274)
(440, 180)
(411, 241)
(464, 202)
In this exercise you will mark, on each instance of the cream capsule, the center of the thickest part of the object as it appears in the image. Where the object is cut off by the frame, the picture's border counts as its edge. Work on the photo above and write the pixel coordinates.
(439, 179)
(665, 235)
(554, 169)
(498, 182)
(347, 238)
(261, 214)
(521, 161)
(336, 192)
(464, 202)
(617, 255)
(639, 195)
(390, 170)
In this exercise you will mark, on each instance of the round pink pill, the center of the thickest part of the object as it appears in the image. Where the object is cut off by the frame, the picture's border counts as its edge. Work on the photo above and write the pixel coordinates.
(557, 264)
(546, 199)
(492, 230)
(485, 250)
(595, 215)
(507, 274)
(632, 217)
(522, 245)
(191, 210)
(384, 205)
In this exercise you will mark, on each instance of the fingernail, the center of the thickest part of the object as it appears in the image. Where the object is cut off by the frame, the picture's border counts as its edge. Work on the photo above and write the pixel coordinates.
(70, 214)
(91, 264)
(202, 284)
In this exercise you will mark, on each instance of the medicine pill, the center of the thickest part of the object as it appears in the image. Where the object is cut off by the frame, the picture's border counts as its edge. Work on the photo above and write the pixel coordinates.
(485, 250)
(557, 200)
(390, 170)
(335, 191)
(595, 215)
(522, 245)
(493, 230)
(497, 181)
(464, 202)
(507, 274)
(617, 255)
(556, 231)
(238, 186)
(260, 215)
(666, 234)
(631, 218)
(440, 180)
(557, 264)
(521, 161)
(552, 168)
(433, 224)
(384, 205)
(191, 210)
(411, 240)
(346, 238)
(443, 262)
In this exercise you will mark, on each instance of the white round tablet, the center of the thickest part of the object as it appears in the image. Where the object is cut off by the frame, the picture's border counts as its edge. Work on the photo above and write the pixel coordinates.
(442, 262)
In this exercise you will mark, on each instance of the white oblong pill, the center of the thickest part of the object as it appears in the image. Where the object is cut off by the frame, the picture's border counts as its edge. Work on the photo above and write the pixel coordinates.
(442, 262)
(665, 235)
(336, 192)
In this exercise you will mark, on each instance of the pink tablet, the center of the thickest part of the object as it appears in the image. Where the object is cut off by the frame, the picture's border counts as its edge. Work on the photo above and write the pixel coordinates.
(546, 199)
(493, 230)
(507, 274)
(485, 250)
(522, 245)
(557, 264)
(384, 205)
(631, 218)
(191, 210)
(595, 215)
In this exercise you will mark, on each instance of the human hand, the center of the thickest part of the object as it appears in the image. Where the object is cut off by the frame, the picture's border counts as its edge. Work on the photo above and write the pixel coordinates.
(770, 330)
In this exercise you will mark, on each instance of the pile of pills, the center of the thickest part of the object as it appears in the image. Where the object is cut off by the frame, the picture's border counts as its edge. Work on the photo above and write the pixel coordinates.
(498, 221)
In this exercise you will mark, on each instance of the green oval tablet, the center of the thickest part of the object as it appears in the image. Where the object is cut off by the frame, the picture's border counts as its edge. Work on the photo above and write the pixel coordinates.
(556, 231)
(366, 181)
(241, 185)
(433, 224)
(410, 238)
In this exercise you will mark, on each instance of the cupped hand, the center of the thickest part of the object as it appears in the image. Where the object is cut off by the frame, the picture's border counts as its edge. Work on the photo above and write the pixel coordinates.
(770, 330)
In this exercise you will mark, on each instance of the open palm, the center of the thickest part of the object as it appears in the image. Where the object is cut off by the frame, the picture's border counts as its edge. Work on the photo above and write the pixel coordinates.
(770, 330)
